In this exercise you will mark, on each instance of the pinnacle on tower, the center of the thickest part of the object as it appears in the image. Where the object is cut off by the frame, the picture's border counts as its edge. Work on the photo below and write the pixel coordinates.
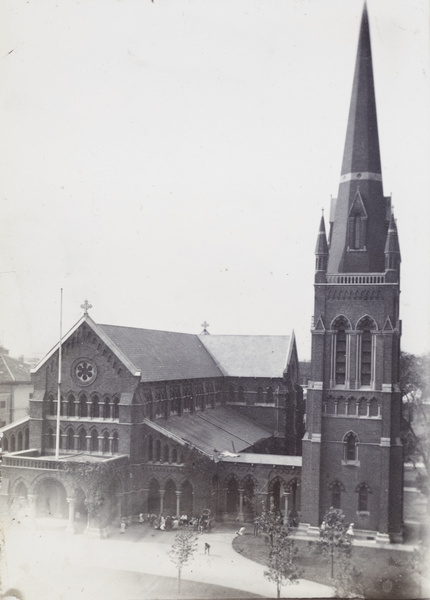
(321, 249)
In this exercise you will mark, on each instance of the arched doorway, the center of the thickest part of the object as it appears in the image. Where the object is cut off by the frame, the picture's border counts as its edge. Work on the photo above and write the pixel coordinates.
(275, 498)
(51, 499)
(170, 498)
(232, 496)
(187, 498)
(19, 504)
(154, 497)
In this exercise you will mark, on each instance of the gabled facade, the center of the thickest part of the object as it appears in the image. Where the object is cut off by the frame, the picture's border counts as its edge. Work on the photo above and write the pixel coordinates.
(352, 454)
(15, 388)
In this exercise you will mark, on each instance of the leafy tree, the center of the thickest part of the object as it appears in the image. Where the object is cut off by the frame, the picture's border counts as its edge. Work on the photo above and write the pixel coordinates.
(182, 551)
(271, 522)
(282, 566)
(334, 541)
(415, 390)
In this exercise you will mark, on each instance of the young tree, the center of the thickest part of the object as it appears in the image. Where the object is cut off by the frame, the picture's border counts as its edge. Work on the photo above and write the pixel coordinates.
(182, 551)
(334, 540)
(272, 523)
(282, 566)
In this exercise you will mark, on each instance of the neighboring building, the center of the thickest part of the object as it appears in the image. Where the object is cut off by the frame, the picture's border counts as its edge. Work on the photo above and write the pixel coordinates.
(179, 422)
(352, 453)
(15, 388)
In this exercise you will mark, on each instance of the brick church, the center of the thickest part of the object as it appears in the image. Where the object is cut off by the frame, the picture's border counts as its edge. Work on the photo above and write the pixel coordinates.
(171, 423)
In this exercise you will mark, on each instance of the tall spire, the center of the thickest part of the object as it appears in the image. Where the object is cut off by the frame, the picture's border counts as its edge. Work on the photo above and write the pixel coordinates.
(360, 214)
(361, 154)
(321, 253)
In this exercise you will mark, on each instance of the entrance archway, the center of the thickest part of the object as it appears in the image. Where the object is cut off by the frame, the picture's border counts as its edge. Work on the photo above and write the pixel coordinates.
(51, 499)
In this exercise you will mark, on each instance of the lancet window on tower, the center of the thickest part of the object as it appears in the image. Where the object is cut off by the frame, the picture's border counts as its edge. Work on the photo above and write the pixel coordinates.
(365, 351)
(340, 362)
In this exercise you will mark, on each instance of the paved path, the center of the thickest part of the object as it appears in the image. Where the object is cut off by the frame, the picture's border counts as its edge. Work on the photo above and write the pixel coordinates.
(48, 557)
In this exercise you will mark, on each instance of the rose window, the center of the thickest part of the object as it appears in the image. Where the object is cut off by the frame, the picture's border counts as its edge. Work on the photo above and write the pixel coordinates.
(85, 371)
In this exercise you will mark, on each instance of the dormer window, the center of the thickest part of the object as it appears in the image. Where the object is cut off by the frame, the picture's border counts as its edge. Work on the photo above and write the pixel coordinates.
(357, 225)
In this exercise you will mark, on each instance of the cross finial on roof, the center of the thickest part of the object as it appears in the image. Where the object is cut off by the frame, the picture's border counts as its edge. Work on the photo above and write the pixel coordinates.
(86, 306)
(205, 331)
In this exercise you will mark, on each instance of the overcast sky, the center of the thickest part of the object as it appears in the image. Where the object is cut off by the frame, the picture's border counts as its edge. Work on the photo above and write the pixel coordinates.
(169, 160)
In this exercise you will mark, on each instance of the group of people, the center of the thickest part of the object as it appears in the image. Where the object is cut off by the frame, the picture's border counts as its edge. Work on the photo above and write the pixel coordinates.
(169, 523)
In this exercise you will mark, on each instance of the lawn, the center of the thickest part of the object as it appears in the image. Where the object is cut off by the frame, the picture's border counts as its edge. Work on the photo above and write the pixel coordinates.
(381, 577)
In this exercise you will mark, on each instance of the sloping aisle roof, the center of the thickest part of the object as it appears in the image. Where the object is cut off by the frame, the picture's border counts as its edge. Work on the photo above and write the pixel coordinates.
(249, 355)
(214, 430)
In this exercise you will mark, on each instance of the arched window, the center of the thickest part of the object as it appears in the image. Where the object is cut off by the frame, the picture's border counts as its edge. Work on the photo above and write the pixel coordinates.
(51, 405)
(363, 497)
(82, 439)
(350, 447)
(351, 406)
(269, 395)
(260, 395)
(94, 441)
(115, 443)
(95, 407)
(373, 408)
(362, 407)
(150, 449)
(106, 442)
(357, 233)
(83, 411)
(50, 438)
(366, 325)
(115, 409)
(166, 454)
(71, 406)
(12, 443)
(19, 441)
(70, 440)
(5, 444)
(174, 456)
(340, 366)
(107, 408)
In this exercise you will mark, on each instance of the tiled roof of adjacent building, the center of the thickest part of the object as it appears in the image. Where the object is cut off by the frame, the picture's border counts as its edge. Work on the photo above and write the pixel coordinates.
(213, 430)
(13, 370)
(249, 355)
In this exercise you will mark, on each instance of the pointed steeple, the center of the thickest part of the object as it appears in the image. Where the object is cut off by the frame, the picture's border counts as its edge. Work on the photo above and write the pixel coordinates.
(361, 154)
(360, 214)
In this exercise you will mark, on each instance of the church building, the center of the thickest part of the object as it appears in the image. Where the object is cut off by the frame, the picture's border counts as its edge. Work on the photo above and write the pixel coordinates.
(159, 422)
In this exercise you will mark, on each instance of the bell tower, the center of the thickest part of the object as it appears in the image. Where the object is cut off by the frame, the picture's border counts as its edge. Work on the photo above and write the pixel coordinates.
(352, 454)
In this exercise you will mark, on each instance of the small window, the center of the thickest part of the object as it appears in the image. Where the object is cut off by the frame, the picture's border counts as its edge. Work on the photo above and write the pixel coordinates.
(107, 408)
(115, 443)
(115, 409)
(106, 442)
(95, 407)
(82, 440)
(260, 395)
(70, 441)
(269, 395)
(150, 449)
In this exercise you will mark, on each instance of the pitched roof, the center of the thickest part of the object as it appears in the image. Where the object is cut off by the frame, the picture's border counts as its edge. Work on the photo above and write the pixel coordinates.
(213, 430)
(163, 355)
(13, 370)
(250, 355)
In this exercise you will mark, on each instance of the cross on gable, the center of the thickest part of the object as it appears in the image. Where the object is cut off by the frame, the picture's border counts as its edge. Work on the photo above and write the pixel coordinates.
(86, 306)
